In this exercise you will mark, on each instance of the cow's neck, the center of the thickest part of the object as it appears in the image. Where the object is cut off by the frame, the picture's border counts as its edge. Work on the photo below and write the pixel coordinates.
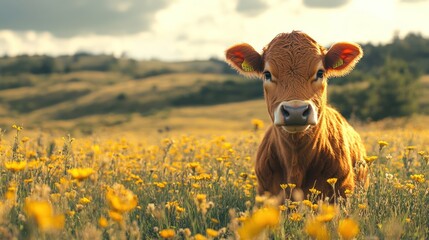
(300, 149)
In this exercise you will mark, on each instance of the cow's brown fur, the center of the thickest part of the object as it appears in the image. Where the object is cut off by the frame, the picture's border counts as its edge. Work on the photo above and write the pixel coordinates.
(331, 148)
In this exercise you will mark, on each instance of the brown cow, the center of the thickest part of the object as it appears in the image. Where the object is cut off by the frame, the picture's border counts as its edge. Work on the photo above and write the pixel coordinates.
(309, 142)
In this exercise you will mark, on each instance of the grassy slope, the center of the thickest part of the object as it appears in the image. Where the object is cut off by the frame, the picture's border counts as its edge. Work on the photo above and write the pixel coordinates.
(95, 93)
(116, 101)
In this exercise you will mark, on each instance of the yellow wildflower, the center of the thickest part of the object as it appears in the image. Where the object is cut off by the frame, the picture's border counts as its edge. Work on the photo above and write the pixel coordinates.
(56, 197)
(70, 195)
(418, 178)
(382, 144)
(295, 217)
(327, 213)
(31, 154)
(167, 141)
(167, 233)
(212, 233)
(193, 165)
(370, 159)
(410, 186)
(96, 149)
(242, 218)
(214, 220)
(201, 197)
(307, 203)
(243, 175)
(180, 209)
(348, 193)
(171, 204)
(186, 232)
(314, 207)
(81, 173)
(160, 184)
(260, 199)
(201, 202)
(11, 192)
(362, 206)
(316, 229)
(199, 237)
(348, 229)
(203, 176)
(84, 200)
(42, 214)
(28, 180)
(18, 128)
(102, 222)
(332, 181)
(409, 148)
(257, 124)
(121, 199)
(15, 166)
(227, 145)
(261, 219)
(115, 216)
(314, 191)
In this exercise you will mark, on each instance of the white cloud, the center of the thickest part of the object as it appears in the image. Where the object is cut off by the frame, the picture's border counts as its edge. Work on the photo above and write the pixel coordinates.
(251, 7)
(324, 3)
(189, 29)
(67, 18)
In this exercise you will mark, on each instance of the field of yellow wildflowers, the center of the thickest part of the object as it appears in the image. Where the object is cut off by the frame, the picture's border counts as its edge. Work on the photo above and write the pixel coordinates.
(199, 186)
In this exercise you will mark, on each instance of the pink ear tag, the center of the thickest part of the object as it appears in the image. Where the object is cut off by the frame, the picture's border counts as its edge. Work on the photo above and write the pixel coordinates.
(246, 66)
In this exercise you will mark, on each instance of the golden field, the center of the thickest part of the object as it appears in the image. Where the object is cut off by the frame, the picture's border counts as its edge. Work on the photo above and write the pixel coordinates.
(190, 183)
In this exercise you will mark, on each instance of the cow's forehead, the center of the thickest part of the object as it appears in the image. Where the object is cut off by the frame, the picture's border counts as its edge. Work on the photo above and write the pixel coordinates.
(293, 50)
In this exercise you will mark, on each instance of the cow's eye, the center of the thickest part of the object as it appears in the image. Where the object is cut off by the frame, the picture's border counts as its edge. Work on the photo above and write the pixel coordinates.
(267, 76)
(320, 74)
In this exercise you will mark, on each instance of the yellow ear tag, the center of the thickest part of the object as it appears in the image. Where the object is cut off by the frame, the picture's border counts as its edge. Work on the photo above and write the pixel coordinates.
(339, 63)
(246, 66)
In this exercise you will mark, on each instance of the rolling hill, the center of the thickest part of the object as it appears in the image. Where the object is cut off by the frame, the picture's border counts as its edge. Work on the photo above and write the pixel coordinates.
(85, 91)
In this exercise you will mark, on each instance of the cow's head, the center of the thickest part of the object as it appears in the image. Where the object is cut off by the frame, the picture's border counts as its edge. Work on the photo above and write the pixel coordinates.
(294, 69)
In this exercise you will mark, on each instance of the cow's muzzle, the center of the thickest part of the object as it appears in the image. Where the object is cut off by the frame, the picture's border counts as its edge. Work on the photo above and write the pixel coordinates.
(295, 115)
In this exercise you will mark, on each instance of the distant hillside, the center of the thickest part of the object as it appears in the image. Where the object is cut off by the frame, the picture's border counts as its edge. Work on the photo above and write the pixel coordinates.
(42, 64)
(41, 89)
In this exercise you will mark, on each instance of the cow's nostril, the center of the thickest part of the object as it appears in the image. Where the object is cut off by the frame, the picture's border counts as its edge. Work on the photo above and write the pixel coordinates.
(285, 111)
(306, 112)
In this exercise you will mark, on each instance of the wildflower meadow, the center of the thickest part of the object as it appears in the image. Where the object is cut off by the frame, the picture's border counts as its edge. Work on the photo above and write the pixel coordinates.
(177, 185)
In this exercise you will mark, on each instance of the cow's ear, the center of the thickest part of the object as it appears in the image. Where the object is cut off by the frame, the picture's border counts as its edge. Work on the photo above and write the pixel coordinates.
(341, 58)
(245, 60)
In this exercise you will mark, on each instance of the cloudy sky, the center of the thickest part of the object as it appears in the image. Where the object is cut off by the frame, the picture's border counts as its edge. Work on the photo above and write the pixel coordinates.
(196, 29)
